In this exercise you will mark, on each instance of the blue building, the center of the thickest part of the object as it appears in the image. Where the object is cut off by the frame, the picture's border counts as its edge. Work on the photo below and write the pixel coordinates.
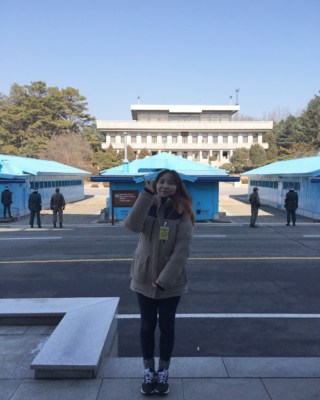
(201, 181)
(274, 180)
(22, 175)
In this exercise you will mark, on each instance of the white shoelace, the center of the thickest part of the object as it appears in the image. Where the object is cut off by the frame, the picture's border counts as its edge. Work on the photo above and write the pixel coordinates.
(148, 376)
(163, 376)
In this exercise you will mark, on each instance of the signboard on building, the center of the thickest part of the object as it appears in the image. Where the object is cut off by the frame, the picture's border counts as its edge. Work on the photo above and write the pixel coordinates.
(123, 198)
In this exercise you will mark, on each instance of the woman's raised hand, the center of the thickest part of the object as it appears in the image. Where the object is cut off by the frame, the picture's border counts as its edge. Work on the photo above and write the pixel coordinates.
(148, 185)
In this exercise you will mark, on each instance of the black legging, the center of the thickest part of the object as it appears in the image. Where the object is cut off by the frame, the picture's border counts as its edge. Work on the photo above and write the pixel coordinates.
(149, 309)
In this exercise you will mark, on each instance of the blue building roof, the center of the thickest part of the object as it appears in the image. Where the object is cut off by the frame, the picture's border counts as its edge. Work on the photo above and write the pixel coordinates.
(14, 166)
(150, 166)
(307, 166)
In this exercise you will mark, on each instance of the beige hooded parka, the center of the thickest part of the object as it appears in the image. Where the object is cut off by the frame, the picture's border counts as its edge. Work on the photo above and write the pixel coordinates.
(159, 261)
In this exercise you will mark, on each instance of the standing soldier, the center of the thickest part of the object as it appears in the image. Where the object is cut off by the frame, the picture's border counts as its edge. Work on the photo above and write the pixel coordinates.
(35, 206)
(6, 200)
(291, 205)
(255, 204)
(57, 205)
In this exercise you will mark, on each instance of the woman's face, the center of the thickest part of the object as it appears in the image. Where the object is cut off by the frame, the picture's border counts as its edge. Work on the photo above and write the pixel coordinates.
(166, 185)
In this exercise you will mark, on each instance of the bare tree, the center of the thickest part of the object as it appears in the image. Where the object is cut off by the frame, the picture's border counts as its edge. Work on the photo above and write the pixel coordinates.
(70, 149)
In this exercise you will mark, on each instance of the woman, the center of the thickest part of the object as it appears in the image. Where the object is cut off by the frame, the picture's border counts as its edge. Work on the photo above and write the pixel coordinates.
(164, 218)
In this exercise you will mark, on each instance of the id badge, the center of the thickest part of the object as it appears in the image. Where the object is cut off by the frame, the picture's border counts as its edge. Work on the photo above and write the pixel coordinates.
(164, 233)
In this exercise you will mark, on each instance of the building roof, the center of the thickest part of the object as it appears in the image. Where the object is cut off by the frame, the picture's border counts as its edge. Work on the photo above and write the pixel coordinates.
(188, 170)
(184, 109)
(307, 166)
(14, 166)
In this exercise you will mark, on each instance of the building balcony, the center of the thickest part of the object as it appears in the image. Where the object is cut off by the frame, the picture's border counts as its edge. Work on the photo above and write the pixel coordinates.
(169, 126)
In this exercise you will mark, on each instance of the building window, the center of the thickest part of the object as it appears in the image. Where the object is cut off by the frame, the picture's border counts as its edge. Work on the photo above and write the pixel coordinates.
(184, 137)
(194, 138)
(185, 154)
(164, 138)
(204, 138)
(214, 138)
(154, 138)
(122, 139)
(225, 154)
(205, 154)
(144, 139)
(234, 138)
(133, 139)
(224, 138)
(245, 138)
(174, 138)
(112, 138)
(255, 138)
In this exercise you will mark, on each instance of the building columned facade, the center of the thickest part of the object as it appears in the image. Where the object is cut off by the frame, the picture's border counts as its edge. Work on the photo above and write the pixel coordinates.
(205, 134)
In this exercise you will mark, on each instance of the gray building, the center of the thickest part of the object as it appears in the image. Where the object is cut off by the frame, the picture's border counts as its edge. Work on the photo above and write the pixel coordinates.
(205, 134)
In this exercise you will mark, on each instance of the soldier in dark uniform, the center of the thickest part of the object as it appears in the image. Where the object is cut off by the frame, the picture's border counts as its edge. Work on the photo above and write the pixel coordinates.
(291, 205)
(255, 204)
(35, 206)
(6, 200)
(57, 205)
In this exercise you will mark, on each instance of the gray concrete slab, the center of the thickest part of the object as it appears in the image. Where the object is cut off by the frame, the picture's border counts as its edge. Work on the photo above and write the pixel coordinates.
(10, 366)
(273, 367)
(45, 306)
(87, 331)
(7, 388)
(77, 344)
(224, 389)
(19, 344)
(190, 378)
(121, 368)
(199, 367)
(293, 389)
(181, 367)
(123, 389)
(58, 390)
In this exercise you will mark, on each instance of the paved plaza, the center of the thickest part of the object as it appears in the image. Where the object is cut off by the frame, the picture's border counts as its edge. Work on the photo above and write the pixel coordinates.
(192, 378)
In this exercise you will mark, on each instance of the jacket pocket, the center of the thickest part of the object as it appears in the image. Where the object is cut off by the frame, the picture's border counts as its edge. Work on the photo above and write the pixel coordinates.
(176, 276)
(139, 268)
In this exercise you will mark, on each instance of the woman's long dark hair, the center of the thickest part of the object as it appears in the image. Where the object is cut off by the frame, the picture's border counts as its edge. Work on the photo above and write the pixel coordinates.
(181, 198)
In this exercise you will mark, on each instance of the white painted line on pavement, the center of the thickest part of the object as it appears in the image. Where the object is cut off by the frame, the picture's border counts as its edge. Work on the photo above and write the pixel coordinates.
(209, 236)
(311, 236)
(230, 315)
(33, 238)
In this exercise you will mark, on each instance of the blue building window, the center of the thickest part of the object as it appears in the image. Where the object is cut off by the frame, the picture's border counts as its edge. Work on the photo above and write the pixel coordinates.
(49, 184)
(268, 184)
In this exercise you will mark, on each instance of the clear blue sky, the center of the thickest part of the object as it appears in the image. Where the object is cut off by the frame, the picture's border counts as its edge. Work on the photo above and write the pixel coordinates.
(165, 51)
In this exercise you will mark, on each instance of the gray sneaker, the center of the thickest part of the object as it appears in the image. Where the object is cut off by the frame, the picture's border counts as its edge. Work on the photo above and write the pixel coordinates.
(149, 381)
(162, 386)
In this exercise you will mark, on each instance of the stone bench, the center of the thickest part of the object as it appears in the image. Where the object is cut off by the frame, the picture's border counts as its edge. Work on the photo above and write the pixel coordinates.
(87, 331)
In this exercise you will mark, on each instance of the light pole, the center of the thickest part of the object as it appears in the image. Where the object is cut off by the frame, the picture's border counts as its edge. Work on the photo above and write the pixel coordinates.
(125, 161)
(125, 147)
